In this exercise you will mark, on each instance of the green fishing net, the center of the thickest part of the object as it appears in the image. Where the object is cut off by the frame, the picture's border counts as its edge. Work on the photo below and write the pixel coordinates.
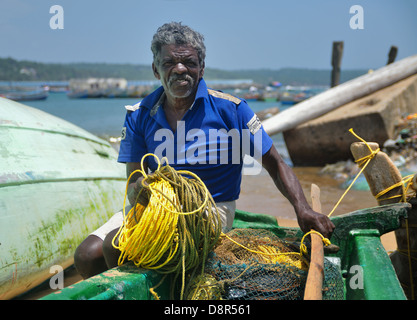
(246, 266)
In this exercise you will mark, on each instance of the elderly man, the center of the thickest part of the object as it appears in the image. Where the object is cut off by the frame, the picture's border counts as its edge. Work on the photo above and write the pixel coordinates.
(179, 121)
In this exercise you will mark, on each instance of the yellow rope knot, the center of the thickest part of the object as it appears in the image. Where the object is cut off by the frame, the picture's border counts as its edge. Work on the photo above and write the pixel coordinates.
(405, 183)
(303, 247)
(365, 160)
(362, 163)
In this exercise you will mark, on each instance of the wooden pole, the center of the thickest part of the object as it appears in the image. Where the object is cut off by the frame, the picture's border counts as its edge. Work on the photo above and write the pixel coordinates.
(314, 284)
(337, 54)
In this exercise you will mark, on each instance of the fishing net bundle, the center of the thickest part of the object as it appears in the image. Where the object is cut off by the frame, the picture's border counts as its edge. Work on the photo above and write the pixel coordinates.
(255, 264)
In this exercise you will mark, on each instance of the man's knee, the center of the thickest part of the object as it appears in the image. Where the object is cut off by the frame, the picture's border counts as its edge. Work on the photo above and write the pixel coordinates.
(88, 257)
(111, 254)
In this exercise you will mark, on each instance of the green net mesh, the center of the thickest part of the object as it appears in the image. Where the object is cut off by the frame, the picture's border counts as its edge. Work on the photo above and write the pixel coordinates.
(252, 270)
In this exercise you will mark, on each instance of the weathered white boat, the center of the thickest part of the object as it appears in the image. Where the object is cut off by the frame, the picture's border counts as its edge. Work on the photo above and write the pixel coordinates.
(58, 183)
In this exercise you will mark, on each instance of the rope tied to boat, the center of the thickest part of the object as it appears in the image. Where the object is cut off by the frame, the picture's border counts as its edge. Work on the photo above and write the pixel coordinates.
(362, 163)
(406, 193)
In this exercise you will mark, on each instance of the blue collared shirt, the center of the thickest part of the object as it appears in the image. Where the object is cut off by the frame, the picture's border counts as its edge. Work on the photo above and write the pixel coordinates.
(210, 140)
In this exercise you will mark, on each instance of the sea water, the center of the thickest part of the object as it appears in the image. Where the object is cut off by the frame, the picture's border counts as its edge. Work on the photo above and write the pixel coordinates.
(102, 117)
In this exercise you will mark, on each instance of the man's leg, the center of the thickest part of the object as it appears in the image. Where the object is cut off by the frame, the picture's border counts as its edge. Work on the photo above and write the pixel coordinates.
(88, 258)
(227, 214)
(110, 253)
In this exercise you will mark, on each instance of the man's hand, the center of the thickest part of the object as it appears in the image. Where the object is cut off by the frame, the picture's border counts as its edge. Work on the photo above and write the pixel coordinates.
(142, 194)
(137, 192)
(310, 219)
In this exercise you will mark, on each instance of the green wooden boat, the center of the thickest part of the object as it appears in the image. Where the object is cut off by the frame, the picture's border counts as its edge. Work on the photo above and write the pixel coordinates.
(58, 183)
(360, 256)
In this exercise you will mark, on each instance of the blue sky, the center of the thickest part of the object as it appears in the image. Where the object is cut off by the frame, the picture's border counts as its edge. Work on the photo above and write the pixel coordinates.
(240, 34)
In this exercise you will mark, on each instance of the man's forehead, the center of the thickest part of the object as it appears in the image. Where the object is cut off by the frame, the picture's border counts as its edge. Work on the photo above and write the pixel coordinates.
(178, 50)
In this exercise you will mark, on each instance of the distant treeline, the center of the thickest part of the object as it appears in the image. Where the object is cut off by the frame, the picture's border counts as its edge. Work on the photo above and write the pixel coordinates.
(14, 70)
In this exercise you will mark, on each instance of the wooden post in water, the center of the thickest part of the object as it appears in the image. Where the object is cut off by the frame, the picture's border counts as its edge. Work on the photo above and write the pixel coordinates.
(337, 54)
(392, 54)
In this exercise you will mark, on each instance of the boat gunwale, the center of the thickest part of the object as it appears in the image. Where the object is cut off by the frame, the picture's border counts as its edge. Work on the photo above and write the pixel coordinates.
(65, 133)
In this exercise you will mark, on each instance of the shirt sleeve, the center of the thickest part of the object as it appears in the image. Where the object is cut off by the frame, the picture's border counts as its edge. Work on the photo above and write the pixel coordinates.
(255, 141)
(132, 144)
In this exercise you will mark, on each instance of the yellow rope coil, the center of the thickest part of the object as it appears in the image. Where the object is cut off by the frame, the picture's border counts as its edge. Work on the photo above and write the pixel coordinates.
(176, 230)
(148, 240)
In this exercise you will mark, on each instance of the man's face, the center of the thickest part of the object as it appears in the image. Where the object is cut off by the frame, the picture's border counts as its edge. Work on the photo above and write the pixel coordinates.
(179, 70)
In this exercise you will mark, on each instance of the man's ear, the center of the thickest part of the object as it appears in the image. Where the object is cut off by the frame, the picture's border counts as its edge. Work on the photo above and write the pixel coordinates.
(155, 71)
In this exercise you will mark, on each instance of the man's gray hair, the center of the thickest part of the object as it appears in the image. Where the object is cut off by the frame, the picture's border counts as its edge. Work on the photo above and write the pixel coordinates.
(176, 33)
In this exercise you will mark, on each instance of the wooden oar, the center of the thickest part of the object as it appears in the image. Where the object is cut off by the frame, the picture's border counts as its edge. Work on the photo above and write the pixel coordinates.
(314, 284)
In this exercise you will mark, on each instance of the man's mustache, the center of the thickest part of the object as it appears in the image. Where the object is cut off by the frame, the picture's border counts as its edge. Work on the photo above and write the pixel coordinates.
(180, 78)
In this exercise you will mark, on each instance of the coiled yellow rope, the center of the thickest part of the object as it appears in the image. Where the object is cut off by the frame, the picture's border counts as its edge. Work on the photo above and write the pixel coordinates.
(177, 229)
